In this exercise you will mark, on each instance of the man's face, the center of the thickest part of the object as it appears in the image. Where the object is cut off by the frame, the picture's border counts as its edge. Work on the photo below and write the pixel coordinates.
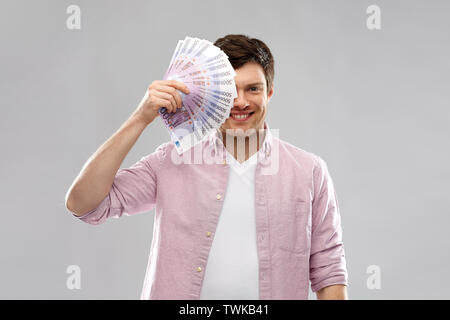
(250, 107)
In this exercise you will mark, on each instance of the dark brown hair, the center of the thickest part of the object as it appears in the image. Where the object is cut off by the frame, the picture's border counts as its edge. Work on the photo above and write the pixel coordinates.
(241, 49)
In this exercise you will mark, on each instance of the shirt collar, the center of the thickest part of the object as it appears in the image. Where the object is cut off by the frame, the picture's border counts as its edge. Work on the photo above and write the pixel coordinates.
(215, 139)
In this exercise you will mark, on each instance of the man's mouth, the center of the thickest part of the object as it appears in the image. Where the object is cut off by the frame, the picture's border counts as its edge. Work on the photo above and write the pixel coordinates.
(241, 116)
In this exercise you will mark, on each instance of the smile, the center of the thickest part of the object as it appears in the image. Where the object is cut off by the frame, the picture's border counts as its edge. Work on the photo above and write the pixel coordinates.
(241, 116)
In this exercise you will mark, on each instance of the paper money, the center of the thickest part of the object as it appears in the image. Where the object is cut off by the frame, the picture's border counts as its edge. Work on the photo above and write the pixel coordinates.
(209, 75)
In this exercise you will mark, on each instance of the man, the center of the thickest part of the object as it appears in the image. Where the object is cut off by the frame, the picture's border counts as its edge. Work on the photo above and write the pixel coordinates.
(261, 224)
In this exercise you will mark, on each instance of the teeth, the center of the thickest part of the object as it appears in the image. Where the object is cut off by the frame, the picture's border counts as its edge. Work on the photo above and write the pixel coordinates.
(240, 116)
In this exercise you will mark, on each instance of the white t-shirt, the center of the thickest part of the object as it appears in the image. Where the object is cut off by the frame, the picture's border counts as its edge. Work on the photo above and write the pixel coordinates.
(231, 272)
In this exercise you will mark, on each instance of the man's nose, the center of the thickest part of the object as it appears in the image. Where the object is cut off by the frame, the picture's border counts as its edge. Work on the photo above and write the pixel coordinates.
(240, 103)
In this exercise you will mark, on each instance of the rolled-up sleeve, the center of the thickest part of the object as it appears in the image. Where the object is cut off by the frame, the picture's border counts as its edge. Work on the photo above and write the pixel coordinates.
(133, 190)
(327, 256)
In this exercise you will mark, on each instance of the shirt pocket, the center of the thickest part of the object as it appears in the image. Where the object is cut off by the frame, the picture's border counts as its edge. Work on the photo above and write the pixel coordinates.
(294, 227)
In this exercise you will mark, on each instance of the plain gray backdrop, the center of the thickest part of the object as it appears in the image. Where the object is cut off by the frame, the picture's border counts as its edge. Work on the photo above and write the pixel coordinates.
(373, 103)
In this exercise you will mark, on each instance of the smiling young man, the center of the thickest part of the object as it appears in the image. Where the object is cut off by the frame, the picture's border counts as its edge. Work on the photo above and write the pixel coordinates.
(249, 111)
(261, 223)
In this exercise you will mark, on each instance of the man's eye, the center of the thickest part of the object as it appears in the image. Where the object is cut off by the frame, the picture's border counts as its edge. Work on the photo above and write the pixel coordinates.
(254, 88)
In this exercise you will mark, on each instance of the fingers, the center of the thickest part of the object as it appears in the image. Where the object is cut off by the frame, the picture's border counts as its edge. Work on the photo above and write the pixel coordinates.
(169, 97)
(171, 91)
(171, 83)
(164, 93)
(179, 85)
(163, 103)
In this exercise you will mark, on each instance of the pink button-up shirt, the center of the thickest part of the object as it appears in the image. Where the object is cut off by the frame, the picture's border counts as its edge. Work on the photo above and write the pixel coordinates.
(298, 226)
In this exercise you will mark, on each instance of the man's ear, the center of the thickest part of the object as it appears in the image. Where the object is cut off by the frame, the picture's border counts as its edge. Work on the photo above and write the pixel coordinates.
(269, 94)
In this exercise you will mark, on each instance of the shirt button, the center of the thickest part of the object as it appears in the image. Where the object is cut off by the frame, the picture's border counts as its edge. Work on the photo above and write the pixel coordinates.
(218, 196)
(208, 234)
(199, 269)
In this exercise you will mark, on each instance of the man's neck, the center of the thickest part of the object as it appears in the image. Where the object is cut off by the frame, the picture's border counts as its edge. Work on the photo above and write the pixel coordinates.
(243, 147)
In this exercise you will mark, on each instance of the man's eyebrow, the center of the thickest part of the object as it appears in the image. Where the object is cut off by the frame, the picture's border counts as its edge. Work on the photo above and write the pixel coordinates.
(255, 84)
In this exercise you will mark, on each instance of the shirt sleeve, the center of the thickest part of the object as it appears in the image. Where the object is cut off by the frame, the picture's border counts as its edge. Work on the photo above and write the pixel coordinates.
(327, 256)
(133, 191)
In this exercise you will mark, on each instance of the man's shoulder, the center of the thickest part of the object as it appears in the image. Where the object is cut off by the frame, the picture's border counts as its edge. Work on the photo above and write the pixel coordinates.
(159, 154)
(297, 153)
(167, 152)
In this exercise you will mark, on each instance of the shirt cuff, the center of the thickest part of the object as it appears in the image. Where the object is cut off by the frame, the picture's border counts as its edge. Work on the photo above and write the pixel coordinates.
(341, 279)
(90, 214)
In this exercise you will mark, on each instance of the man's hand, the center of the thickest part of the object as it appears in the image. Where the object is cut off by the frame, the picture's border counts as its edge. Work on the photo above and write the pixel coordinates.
(334, 292)
(161, 93)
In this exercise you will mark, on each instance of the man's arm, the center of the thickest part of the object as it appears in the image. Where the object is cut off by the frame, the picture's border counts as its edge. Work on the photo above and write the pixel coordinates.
(327, 255)
(334, 292)
(97, 175)
(96, 178)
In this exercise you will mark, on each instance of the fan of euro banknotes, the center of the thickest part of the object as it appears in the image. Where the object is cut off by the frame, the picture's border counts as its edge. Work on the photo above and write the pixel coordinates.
(209, 75)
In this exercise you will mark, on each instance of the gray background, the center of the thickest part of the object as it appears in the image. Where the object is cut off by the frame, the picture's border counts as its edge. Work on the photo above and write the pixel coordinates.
(373, 104)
